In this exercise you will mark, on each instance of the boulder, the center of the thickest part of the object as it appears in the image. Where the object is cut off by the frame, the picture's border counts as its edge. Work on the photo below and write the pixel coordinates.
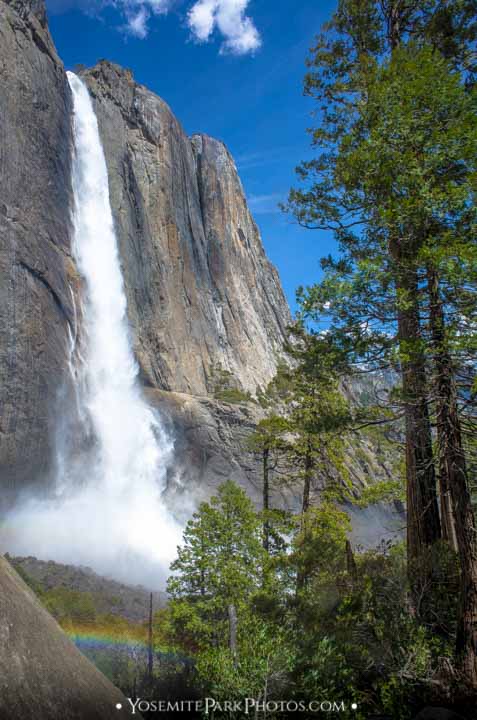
(43, 676)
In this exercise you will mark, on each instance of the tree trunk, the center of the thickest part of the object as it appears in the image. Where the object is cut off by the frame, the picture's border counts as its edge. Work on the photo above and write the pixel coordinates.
(307, 478)
(466, 640)
(308, 474)
(396, 13)
(233, 632)
(394, 24)
(423, 523)
(449, 456)
(266, 499)
(454, 472)
(447, 511)
(423, 528)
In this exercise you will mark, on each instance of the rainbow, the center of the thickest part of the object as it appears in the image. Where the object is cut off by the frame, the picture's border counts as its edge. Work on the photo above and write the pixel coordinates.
(88, 638)
(96, 638)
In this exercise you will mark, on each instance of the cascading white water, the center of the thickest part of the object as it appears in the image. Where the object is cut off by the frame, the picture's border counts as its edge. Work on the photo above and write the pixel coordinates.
(131, 444)
(108, 513)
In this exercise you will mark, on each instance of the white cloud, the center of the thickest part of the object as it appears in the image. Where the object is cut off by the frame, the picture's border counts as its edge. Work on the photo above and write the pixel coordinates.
(137, 22)
(204, 18)
(229, 18)
(138, 13)
(201, 19)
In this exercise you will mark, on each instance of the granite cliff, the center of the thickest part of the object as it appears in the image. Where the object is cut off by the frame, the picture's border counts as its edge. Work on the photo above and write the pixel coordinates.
(201, 292)
(42, 674)
(204, 303)
(206, 310)
(36, 305)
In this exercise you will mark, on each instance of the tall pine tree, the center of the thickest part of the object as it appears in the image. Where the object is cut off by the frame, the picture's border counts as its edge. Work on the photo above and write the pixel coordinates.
(395, 180)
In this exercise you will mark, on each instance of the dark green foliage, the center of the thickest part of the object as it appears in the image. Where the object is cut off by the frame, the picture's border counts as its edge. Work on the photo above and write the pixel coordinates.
(343, 633)
(316, 416)
(405, 167)
(31, 582)
(395, 178)
(220, 562)
(70, 606)
(233, 395)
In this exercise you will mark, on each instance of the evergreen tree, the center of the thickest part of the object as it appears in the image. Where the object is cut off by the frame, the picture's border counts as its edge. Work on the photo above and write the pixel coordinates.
(219, 564)
(268, 440)
(217, 579)
(319, 416)
(395, 180)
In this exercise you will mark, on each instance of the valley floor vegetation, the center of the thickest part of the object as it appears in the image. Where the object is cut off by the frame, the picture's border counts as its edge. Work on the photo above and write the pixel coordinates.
(274, 605)
(270, 604)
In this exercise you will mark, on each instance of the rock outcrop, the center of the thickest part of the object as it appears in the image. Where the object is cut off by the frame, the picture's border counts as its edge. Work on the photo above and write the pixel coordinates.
(206, 308)
(35, 264)
(202, 296)
(207, 314)
(204, 303)
(42, 674)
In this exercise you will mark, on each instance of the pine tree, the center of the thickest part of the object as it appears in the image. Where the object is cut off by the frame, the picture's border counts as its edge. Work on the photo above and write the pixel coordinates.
(216, 581)
(268, 440)
(317, 414)
(395, 181)
(219, 564)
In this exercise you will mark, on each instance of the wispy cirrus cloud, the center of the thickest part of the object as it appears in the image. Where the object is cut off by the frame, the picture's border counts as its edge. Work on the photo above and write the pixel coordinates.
(205, 19)
(138, 14)
(266, 156)
(265, 204)
(137, 23)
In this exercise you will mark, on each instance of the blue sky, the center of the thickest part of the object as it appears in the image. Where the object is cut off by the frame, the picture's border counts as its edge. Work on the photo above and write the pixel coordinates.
(229, 68)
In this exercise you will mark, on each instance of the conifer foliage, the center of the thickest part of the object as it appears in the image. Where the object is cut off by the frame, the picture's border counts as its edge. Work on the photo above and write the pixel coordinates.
(395, 178)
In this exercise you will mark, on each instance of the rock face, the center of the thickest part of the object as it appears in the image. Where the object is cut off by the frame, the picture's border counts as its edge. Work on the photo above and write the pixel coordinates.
(202, 296)
(35, 264)
(210, 439)
(42, 674)
(206, 309)
(204, 303)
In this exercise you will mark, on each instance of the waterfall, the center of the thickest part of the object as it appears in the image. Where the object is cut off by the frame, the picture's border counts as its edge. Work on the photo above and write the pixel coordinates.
(108, 512)
(131, 444)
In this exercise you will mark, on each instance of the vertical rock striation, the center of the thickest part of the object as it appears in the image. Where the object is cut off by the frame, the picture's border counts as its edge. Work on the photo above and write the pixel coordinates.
(35, 298)
(204, 302)
(205, 305)
(250, 301)
(202, 296)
